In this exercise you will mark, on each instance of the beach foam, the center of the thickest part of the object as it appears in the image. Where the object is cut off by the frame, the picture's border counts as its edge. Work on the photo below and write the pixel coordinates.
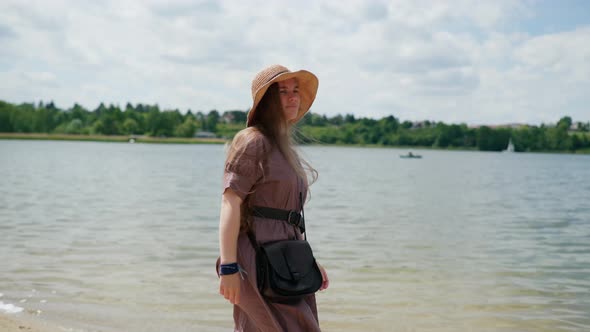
(9, 308)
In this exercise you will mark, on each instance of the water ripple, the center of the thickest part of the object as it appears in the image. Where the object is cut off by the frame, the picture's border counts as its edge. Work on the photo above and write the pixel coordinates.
(117, 237)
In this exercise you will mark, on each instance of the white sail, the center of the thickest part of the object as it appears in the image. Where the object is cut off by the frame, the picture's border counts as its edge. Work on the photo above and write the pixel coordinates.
(510, 147)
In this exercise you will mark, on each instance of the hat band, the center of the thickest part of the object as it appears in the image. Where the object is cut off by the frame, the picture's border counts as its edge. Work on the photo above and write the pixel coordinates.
(277, 74)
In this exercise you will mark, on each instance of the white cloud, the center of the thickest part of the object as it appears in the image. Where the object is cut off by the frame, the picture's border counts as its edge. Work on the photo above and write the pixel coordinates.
(449, 61)
(42, 77)
(566, 54)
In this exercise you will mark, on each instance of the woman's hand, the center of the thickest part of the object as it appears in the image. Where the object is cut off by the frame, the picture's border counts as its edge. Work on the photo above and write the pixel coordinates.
(325, 280)
(229, 287)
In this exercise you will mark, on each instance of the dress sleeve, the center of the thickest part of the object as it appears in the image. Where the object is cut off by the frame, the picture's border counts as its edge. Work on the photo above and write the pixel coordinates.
(245, 169)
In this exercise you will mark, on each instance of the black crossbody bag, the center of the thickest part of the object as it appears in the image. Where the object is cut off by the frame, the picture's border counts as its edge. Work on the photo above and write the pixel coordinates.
(286, 270)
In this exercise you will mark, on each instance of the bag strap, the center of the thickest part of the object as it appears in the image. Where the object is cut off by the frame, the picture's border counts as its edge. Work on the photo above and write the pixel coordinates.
(302, 227)
(253, 241)
(292, 217)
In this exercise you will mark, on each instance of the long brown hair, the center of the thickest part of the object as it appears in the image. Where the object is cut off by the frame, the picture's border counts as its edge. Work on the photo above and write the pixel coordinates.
(269, 120)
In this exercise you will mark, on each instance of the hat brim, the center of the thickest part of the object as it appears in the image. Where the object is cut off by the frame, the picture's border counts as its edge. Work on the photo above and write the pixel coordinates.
(308, 88)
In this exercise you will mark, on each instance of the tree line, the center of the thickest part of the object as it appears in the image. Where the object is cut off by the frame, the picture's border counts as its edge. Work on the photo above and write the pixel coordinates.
(314, 128)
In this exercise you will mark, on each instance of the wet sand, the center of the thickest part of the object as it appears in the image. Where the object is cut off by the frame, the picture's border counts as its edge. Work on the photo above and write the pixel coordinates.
(20, 323)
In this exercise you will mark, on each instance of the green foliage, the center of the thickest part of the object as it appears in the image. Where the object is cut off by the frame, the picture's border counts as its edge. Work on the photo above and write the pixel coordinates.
(228, 130)
(187, 128)
(489, 139)
(149, 120)
(565, 122)
(97, 128)
(235, 117)
(210, 122)
(406, 125)
(6, 110)
(130, 126)
(74, 127)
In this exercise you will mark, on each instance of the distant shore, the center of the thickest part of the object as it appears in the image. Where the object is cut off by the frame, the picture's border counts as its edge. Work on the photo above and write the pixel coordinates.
(105, 138)
(181, 140)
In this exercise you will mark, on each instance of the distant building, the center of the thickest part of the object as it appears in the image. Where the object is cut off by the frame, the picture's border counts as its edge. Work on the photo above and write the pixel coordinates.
(205, 134)
(228, 117)
(422, 124)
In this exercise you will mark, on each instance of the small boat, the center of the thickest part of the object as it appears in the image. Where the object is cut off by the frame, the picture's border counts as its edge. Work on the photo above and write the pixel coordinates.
(510, 147)
(410, 155)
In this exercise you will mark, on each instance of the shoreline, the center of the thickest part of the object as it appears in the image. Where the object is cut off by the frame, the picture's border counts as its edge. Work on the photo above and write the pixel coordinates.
(181, 140)
(114, 139)
(20, 323)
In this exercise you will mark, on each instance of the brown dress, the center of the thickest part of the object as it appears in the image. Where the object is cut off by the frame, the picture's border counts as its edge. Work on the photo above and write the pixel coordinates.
(275, 185)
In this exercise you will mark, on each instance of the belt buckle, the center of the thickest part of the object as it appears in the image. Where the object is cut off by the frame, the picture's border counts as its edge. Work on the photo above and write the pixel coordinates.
(297, 218)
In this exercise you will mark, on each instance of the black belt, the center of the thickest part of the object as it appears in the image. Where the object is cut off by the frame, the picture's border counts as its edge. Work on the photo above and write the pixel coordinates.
(292, 217)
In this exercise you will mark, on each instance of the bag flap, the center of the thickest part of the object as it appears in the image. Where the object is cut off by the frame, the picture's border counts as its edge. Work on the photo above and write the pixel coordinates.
(291, 259)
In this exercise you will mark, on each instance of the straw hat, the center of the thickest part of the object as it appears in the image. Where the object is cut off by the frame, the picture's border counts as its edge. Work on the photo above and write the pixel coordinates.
(308, 87)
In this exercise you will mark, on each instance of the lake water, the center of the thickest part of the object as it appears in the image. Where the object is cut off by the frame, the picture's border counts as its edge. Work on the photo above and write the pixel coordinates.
(123, 237)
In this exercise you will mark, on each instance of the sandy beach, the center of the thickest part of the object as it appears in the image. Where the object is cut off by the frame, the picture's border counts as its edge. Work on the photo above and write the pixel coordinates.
(14, 323)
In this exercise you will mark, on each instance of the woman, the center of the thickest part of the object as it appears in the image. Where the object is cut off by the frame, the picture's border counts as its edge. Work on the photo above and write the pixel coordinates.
(263, 169)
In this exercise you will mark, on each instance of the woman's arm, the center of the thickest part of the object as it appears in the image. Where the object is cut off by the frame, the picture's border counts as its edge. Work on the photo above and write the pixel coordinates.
(229, 226)
(229, 229)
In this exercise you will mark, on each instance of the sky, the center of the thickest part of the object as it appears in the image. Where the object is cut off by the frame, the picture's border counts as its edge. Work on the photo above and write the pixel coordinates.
(474, 62)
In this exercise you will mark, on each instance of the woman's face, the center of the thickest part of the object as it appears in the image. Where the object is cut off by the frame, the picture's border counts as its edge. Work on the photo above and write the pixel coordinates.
(289, 92)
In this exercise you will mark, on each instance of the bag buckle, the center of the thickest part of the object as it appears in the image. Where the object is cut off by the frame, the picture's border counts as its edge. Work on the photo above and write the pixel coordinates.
(294, 218)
